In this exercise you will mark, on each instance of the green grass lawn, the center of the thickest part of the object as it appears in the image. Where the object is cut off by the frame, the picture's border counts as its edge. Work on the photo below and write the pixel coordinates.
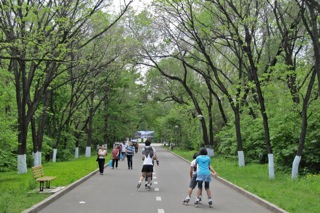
(299, 196)
(17, 189)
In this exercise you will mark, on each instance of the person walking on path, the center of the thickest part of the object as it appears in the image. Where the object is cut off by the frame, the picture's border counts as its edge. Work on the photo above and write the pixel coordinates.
(149, 154)
(204, 170)
(129, 153)
(102, 153)
(115, 156)
(123, 150)
(193, 179)
(136, 146)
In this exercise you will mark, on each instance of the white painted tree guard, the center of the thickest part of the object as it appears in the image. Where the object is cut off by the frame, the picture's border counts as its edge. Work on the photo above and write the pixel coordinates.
(88, 151)
(54, 156)
(295, 167)
(241, 160)
(22, 164)
(36, 158)
(210, 152)
(40, 158)
(76, 152)
(271, 165)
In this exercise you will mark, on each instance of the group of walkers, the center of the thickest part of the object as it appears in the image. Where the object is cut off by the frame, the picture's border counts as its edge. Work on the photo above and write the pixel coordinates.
(127, 150)
(120, 151)
(200, 168)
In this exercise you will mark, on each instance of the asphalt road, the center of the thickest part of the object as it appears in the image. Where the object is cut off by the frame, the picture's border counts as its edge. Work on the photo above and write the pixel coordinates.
(116, 192)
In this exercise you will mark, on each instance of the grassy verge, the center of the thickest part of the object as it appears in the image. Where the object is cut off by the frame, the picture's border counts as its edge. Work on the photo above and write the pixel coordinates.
(294, 196)
(17, 191)
(302, 195)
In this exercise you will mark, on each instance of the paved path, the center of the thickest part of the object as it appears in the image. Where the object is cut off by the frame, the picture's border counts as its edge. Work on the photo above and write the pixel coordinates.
(115, 192)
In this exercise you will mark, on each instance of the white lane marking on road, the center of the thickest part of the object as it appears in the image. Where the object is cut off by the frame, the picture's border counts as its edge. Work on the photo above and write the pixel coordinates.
(160, 210)
(82, 202)
(158, 198)
(155, 182)
(156, 189)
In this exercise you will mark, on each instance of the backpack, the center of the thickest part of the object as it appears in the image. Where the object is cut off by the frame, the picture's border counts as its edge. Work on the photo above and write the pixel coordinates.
(148, 151)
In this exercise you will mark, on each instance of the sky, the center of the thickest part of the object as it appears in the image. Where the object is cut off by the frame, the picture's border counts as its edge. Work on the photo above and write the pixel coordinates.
(136, 4)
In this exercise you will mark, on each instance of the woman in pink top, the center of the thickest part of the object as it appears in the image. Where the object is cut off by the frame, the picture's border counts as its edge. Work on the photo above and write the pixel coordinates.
(115, 156)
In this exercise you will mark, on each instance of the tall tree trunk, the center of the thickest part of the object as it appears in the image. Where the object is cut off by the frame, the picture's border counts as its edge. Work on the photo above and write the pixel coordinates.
(253, 72)
(38, 132)
(210, 147)
(21, 97)
(313, 29)
(241, 159)
(304, 125)
(77, 137)
(89, 122)
(35, 152)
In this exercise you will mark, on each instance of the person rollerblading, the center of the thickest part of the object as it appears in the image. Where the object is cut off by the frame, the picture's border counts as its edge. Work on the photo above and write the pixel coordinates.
(204, 170)
(196, 202)
(210, 202)
(149, 155)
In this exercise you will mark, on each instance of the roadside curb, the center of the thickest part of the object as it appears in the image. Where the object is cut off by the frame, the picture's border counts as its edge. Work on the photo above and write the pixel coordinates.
(58, 194)
(244, 192)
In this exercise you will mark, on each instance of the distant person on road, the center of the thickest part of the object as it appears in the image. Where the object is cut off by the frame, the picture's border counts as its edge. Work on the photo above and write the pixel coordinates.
(129, 153)
(149, 154)
(204, 170)
(123, 150)
(136, 146)
(115, 156)
(193, 179)
(102, 152)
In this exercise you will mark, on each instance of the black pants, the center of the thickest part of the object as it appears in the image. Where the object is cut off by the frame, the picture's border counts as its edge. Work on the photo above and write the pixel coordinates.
(129, 158)
(101, 165)
(115, 161)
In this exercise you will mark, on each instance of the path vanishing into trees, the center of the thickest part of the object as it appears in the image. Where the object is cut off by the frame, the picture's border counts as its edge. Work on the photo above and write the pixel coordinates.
(115, 191)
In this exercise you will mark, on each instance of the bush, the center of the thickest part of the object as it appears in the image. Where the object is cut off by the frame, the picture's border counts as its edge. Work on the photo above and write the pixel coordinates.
(7, 161)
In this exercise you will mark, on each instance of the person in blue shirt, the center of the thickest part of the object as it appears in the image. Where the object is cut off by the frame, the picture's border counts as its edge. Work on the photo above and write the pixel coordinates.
(129, 153)
(204, 170)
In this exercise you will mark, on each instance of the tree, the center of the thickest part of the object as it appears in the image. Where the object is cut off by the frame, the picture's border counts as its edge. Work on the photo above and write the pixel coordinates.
(37, 43)
(310, 16)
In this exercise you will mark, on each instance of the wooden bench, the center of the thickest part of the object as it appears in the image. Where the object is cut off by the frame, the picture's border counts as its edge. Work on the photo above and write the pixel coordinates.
(38, 174)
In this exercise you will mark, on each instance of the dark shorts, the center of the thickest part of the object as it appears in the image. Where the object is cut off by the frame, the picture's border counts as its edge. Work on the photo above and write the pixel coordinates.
(193, 182)
(147, 168)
